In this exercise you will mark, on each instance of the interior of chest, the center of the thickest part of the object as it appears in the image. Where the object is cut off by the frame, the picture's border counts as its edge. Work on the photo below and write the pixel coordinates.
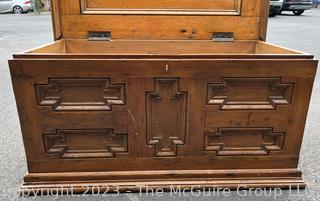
(160, 47)
(161, 28)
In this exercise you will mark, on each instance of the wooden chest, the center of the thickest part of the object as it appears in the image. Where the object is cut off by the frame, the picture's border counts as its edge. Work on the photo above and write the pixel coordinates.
(159, 94)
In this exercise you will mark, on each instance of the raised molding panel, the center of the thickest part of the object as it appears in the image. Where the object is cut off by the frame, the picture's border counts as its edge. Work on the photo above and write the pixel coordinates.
(73, 94)
(243, 141)
(85, 143)
(161, 7)
(249, 93)
(166, 117)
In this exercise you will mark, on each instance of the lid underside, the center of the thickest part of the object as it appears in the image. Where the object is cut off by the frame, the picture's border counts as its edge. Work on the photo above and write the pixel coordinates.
(160, 19)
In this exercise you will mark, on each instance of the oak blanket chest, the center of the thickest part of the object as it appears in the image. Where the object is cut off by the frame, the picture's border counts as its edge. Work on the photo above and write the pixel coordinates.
(162, 93)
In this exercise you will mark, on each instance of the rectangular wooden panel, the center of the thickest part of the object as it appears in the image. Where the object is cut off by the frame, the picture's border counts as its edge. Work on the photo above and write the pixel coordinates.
(168, 7)
(80, 94)
(256, 141)
(159, 27)
(85, 143)
(249, 93)
(164, 19)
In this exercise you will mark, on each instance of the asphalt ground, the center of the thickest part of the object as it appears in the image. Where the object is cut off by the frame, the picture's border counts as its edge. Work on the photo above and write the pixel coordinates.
(22, 32)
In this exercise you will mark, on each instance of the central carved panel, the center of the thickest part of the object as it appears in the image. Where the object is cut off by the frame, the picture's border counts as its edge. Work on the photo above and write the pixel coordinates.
(85, 143)
(166, 117)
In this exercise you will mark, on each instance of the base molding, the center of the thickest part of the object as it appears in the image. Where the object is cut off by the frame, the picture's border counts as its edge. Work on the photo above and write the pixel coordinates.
(141, 181)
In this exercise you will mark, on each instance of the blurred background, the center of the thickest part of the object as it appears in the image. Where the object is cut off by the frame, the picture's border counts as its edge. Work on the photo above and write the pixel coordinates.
(297, 7)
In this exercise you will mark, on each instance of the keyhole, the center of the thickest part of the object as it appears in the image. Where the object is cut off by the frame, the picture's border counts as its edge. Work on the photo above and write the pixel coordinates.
(167, 68)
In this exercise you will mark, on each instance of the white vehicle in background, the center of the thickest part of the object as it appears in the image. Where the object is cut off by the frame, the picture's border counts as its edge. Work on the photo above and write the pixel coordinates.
(275, 7)
(15, 6)
(297, 6)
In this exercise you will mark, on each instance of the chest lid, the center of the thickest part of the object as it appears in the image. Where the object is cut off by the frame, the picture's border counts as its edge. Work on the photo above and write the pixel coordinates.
(218, 20)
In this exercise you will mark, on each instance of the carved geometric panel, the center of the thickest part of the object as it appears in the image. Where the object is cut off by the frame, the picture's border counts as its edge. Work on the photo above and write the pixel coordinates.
(166, 117)
(244, 141)
(85, 143)
(249, 93)
(73, 94)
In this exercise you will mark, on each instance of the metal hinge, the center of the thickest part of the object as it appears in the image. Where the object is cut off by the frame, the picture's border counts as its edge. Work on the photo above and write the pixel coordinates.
(99, 36)
(223, 36)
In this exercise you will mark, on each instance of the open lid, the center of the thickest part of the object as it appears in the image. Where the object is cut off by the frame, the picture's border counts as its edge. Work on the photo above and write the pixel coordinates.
(160, 19)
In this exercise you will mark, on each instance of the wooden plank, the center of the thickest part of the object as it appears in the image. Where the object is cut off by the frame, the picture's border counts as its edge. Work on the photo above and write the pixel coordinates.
(56, 19)
(160, 47)
(160, 27)
(186, 163)
(264, 17)
(202, 68)
(161, 174)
